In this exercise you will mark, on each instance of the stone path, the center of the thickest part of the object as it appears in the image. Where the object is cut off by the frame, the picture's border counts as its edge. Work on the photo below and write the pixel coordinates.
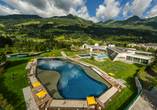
(29, 100)
(121, 82)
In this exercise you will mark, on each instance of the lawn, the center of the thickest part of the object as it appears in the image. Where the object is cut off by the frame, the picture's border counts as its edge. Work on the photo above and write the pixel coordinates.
(128, 93)
(12, 89)
(28, 23)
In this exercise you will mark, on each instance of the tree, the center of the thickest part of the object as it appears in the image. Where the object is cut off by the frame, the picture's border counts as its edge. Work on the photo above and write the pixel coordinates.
(151, 49)
(7, 47)
(143, 48)
(2, 57)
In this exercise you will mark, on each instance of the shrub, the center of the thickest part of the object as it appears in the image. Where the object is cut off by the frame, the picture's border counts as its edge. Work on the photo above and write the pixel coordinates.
(1, 97)
(11, 107)
(92, 58)
(4, 103)
(8, 107)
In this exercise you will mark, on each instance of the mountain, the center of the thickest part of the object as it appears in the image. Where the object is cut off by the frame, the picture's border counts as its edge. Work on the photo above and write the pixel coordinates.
(70, 16)
(19, 16)
(77, 28)
(145, 24)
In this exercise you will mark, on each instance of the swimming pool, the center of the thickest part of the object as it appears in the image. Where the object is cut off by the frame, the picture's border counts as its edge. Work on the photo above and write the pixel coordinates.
(87, 55)
(103, 56)
(19, 55)
(74, 83)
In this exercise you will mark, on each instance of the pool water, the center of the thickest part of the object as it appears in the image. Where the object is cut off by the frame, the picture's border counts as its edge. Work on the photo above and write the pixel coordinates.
(87, 55)
(19, 55)
(74, 83)
(103, 56)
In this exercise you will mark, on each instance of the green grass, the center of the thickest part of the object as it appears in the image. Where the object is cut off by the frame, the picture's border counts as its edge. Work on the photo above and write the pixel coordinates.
(12, 89)
(80, 20)
(1, 25)
(128, 93)
(50, 22)
(28, 23)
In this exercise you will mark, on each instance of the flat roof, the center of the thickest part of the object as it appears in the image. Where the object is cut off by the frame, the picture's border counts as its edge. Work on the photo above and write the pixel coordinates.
(141, 56)
(117, 50)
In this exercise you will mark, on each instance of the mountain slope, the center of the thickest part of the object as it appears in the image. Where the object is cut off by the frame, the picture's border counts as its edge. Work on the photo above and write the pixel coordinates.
(74, 27)
(18, 16)
(146, 24)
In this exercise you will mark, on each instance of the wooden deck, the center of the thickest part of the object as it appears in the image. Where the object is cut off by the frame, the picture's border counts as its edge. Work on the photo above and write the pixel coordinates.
(41, 100)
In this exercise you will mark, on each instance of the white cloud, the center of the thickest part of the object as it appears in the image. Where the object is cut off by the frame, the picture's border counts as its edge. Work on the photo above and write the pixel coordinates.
(5, 10)
(49, 8)
(109, 9)
(153, 12)
(137, 7)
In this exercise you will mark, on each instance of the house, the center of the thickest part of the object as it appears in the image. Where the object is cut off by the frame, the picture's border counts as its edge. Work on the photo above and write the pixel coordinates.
(131, 45)
(147, 45)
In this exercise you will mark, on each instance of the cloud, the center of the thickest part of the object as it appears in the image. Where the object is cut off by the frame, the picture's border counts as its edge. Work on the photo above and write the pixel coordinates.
(5, 10)
(109, 9)
(49, 8)
(153, 12)
(137, 7)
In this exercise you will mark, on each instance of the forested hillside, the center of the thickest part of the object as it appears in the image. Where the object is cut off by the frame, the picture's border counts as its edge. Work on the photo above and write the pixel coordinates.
(33, 26)
(148, 25)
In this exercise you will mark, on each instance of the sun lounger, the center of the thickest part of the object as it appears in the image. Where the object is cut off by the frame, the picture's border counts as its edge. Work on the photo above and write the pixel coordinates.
(43, 96)
(39, 90)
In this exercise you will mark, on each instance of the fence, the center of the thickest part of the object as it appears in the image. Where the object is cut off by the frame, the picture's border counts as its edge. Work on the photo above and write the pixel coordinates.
(139, 93)
(132, 102)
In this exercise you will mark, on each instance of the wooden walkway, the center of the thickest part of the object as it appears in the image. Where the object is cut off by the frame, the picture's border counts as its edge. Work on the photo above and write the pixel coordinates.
(41, 100)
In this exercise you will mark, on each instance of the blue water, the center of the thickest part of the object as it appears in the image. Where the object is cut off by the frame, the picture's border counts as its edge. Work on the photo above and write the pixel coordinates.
(103, 56)
(19, 55)
(87, 55)
(74, 83)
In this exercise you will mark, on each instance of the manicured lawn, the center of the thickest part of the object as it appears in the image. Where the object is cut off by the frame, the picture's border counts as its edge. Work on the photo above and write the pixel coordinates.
(128, 93)
(12, 89)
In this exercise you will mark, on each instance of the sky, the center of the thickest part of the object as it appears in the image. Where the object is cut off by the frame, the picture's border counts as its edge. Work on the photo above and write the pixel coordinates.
(95, 10)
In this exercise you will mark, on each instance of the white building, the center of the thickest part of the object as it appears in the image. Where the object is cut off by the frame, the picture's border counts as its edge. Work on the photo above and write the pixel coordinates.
(128, 55)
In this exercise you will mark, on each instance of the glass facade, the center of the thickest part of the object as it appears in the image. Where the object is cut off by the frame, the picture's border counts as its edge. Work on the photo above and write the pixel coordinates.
(143, 54)
(144, 61)
(129, 58)
(137, 60)
(111, 54)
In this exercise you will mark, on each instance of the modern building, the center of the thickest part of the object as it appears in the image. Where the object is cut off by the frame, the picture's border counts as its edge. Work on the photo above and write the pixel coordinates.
(129, 55)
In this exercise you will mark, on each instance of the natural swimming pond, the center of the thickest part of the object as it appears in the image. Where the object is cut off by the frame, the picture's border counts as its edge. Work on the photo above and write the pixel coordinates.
(73, 83)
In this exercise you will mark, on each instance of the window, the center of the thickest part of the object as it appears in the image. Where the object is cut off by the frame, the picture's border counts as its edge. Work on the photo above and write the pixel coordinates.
(129, 58)
(111, 54)
(144, 61)
(136, 60)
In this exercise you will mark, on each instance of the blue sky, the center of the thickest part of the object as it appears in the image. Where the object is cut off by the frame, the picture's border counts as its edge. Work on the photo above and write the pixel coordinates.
(95, 10)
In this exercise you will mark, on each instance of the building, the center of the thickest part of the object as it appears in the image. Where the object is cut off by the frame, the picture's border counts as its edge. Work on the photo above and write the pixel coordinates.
(129, 55)
(147, 45)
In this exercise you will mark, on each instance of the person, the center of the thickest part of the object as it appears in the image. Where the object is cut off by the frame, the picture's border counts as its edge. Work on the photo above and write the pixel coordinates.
(12, 78)
(12, 74)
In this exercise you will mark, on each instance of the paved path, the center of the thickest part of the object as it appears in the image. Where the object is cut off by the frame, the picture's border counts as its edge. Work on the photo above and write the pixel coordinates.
(145, 102)
(29, 100)
(28, 65)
